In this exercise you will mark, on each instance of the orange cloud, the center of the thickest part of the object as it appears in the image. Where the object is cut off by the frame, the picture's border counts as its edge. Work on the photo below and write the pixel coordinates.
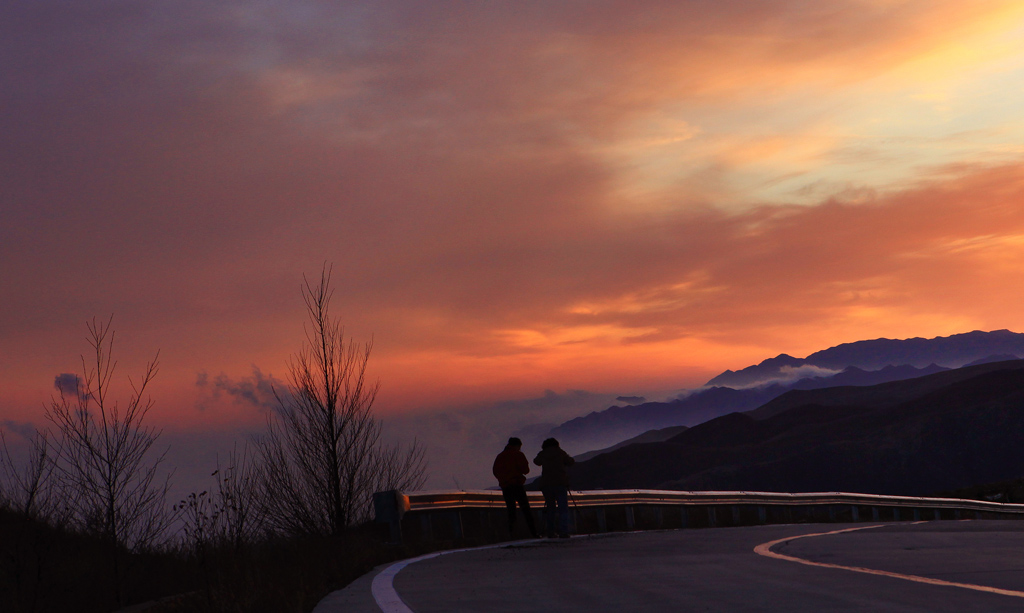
(514, 196)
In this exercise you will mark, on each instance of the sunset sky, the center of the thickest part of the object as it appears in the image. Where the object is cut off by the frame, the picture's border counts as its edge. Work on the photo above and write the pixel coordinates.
(616, 197)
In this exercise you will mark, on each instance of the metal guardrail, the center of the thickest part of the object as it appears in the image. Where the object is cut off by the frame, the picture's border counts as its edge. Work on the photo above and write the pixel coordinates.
(479, 515)
(490, 499)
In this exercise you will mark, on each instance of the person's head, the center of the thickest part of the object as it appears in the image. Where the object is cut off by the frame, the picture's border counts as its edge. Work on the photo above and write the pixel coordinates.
(550, 442)
(515, 442)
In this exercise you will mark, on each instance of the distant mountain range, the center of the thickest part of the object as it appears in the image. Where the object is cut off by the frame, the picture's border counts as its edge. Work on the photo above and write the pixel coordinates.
(861, 363)
(944, 431)
(949, 351)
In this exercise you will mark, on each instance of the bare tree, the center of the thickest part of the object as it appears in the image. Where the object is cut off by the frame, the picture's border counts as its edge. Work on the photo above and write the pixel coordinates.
(104, 461)
(31, 489)
(222, 520)
(322, 456)
(238, 495)
(28, 490)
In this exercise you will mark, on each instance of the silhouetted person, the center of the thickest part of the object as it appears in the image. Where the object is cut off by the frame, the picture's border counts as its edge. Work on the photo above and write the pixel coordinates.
(554, 482)
(511, 468)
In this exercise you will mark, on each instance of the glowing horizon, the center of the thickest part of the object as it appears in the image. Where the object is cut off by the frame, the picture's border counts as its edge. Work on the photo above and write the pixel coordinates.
(515, 197)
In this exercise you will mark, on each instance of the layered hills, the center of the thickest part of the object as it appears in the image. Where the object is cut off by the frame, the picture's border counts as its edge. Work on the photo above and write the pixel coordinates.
(940, 432)
(861, 363)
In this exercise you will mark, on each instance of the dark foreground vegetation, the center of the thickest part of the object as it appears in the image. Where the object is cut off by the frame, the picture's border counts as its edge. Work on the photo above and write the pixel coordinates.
(85, 524)
(44, 568)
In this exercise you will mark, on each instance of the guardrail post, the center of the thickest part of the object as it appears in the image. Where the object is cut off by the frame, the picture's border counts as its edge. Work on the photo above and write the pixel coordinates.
(855, 512)
(762, 514)
(895, 513)
(602, 520)
(874, 514)
(917, 514)
(712, 519)
(683, 519)
(457, 523)
(630, 520)
(735, 515)
(389, 507)
(427, 526)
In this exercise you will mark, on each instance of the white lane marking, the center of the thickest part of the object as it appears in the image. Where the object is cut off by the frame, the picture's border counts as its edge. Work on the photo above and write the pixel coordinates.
(383, 586)
(765, 549)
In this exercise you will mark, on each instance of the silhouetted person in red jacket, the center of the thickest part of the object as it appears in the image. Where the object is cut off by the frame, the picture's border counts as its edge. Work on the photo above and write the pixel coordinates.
(511, 468)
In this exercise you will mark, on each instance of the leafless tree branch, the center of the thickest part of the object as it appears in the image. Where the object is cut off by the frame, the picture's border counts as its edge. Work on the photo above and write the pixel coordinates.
(322, 457)
(105, 462)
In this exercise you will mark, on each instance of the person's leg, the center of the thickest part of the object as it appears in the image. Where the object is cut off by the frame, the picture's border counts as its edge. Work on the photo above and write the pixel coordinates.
(563, 511)
(524, 505)
(510, 504)
(550, 502)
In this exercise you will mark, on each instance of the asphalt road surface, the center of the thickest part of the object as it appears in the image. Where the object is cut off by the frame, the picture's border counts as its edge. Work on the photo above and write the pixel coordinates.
(927, 566)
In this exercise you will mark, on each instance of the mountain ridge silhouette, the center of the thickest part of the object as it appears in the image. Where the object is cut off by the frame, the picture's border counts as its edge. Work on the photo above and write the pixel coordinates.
(944, 431)
(872, 362)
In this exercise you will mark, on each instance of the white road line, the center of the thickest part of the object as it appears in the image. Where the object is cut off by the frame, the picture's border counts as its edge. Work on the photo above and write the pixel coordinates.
(383, 586)
(765, 549)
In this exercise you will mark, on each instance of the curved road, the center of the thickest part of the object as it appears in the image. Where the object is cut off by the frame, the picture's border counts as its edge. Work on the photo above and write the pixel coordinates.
(926, 566)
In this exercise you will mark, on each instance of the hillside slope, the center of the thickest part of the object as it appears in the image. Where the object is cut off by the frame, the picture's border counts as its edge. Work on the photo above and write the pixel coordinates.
(940, 432)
